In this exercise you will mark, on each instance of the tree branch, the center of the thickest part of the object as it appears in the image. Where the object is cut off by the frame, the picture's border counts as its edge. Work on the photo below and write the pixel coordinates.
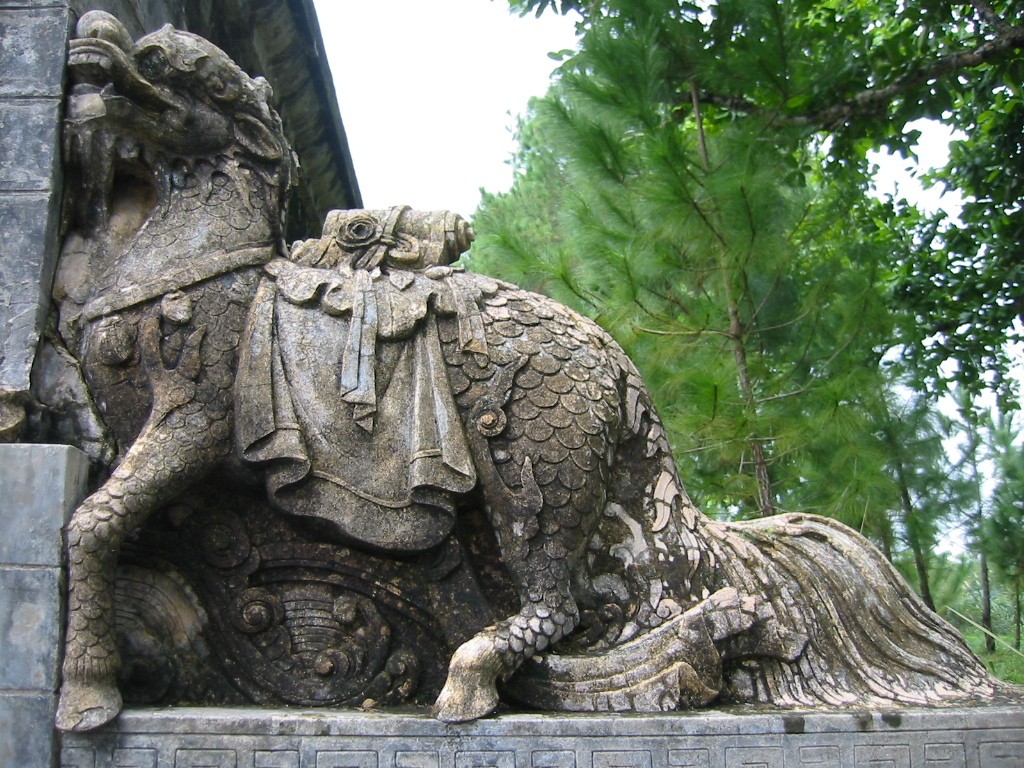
(988, 14)
(874, 100)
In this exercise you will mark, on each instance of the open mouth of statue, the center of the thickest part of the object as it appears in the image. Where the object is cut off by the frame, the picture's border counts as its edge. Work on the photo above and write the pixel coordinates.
(95, 61)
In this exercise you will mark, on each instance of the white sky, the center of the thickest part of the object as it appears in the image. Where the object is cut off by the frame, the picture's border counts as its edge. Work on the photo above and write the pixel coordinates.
(896, 175)
(429, 91)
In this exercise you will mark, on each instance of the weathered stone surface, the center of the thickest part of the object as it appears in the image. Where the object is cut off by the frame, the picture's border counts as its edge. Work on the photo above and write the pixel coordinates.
(28, 252)
(33, 38)
(140, 16)
(30, 626)
(39, 487)
(264, 36)
(33, 4)
(29, 131)
(435, 435)
(25, 739)
(943, 738)
(32, 53)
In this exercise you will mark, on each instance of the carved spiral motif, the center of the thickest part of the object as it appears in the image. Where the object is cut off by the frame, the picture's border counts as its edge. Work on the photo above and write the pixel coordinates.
(256, 610)
(223, 541)
(359, 231)
(491, 422)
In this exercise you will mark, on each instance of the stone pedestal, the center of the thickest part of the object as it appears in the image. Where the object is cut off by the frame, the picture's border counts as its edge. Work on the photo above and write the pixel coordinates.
(990, 737)
(39, 487)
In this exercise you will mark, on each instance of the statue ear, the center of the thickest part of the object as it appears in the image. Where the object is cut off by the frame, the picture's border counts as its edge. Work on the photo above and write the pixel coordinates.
(256, 138)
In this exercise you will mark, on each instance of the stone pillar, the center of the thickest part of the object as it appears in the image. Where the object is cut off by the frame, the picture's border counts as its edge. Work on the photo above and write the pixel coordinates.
(33, 46)
(39, 487)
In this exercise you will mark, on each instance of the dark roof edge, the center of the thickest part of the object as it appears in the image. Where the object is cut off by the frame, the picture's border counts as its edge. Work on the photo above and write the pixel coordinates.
(304, 13)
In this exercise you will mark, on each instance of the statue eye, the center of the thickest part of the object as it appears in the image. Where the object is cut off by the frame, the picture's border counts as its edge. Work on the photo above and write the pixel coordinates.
(153, 64)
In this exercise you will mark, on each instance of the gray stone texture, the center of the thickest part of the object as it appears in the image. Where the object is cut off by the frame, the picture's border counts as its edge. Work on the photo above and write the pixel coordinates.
(33, 38)
(264, 36)
(32, 51)
(28, 250)
(26, 739)
(140, 16)
(29, 130)
(39, 486)
(29, 628)
(910, 738)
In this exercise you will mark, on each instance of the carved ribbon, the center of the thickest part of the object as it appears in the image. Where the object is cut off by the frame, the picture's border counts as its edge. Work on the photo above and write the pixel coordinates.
(358, 377)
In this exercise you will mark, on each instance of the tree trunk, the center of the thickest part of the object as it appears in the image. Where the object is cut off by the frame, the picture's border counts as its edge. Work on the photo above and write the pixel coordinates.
(886, 535)
(737, 333)
(1016, 612)
(765, 495)
(920, 561)
(986, 605)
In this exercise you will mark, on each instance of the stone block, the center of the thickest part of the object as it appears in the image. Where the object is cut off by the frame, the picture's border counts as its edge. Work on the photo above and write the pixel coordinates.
(29, 134)
(39, 487)
(32, 48)
(28, 252)
(33, 4)
(26, 731)
(983, 737)
(30, 625)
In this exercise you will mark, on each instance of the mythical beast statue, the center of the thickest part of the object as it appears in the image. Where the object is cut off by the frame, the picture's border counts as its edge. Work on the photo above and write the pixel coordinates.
(385, 394)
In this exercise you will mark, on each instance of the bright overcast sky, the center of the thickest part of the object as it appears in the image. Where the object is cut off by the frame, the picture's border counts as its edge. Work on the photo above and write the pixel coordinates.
(429, 91)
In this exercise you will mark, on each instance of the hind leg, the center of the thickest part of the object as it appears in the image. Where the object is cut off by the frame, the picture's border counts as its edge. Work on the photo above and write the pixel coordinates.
(548, 613)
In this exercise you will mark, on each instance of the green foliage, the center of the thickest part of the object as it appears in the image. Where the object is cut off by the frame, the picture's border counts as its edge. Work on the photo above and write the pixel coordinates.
(964, 282)
(1004, 663)
(698, 181)
(1003, 531)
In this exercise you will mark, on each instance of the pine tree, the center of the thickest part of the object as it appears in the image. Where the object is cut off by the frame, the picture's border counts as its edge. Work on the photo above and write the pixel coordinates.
(1004, 529)
(746, 285)
(698, 181)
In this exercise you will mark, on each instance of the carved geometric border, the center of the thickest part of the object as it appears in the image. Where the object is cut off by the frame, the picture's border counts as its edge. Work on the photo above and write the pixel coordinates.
(978, 738)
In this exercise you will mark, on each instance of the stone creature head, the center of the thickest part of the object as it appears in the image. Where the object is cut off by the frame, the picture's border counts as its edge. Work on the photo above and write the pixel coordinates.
(161, 103)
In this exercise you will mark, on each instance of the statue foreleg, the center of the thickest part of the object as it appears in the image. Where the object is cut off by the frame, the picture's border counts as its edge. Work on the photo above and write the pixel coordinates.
(183, 439)
(153, 470)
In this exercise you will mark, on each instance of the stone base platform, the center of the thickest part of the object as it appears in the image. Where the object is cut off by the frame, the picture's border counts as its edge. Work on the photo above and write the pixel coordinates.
(989, 737)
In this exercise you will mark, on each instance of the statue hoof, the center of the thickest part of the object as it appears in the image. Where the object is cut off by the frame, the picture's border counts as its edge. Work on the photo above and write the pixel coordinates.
(470, 690)
(459, 703)
(87, 706)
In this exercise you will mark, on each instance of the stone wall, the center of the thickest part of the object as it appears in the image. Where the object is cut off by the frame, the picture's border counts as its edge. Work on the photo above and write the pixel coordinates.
(33, 40)
(939, 738)
(39, 486)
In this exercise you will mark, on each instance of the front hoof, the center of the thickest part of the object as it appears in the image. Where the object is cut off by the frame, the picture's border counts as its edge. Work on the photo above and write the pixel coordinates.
(459, 703)
(87, 706)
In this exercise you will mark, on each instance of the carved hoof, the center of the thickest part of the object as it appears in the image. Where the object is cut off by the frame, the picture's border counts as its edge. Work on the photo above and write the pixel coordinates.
(87, 706)
(459, 702)
(470, 691)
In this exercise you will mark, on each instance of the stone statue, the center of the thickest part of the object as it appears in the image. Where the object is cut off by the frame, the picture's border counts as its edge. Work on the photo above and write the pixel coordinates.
(385, 399)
